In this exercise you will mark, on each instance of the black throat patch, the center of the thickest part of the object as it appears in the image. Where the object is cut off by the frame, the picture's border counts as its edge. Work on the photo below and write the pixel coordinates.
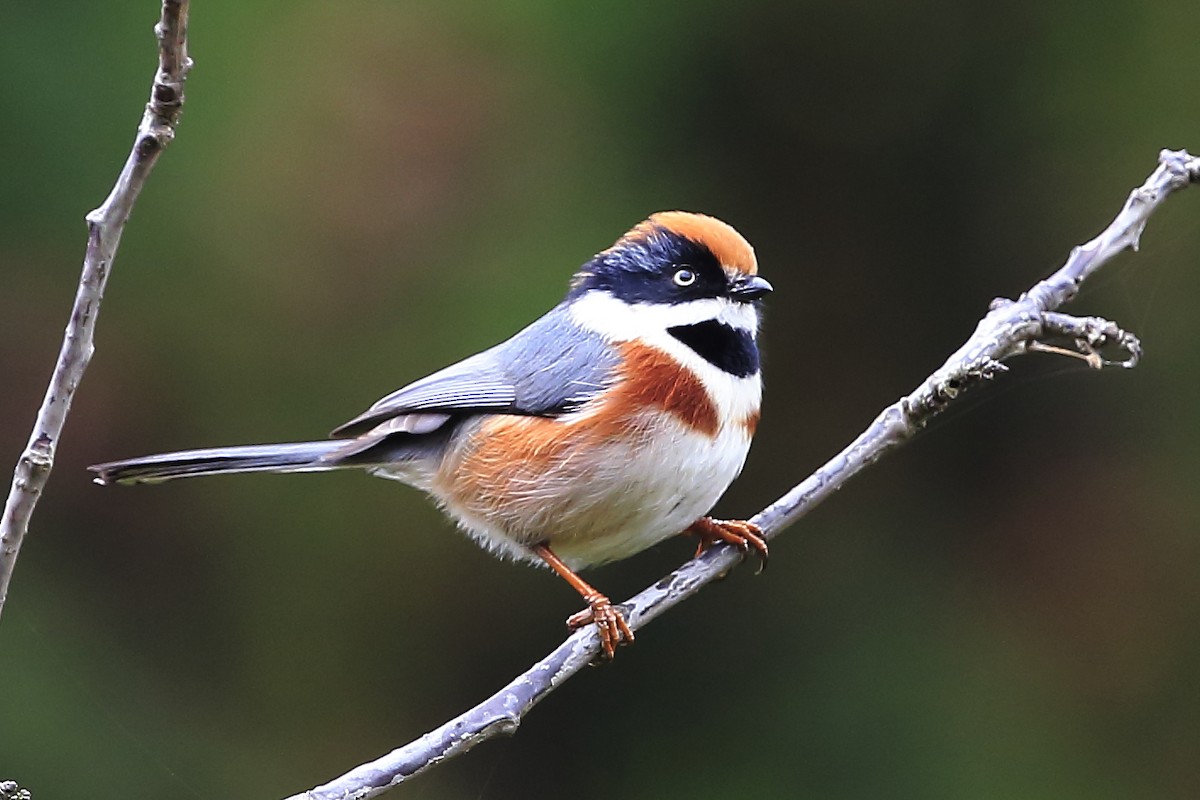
(729, 349)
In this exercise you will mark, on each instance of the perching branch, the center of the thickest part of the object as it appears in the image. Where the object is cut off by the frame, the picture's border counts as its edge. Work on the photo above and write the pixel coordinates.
(105, 225)
(1010, 328)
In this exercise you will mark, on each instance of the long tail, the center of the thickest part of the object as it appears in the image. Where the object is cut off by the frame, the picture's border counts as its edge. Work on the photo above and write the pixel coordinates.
(295, 457)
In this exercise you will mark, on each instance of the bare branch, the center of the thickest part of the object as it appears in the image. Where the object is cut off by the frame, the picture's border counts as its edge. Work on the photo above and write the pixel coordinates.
(1009, 328)
(105, 225)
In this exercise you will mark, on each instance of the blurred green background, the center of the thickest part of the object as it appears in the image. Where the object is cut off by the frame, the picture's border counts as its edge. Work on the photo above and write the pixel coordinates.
(362, 192)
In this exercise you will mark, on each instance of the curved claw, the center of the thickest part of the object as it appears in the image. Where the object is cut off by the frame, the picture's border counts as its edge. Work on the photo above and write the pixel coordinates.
(741, 534)
(609, 622)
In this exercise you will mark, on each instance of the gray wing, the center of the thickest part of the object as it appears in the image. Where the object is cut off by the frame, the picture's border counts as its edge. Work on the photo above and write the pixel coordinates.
(548, 368)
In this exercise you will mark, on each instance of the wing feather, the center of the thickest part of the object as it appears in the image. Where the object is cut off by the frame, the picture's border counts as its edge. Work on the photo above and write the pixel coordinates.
(548, 368)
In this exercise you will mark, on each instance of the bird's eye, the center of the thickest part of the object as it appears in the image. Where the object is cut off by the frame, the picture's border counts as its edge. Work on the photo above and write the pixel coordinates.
(684, 277)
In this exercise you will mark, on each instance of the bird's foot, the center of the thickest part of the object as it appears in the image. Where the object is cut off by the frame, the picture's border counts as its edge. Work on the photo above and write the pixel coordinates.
(609, 622)
(739, 533)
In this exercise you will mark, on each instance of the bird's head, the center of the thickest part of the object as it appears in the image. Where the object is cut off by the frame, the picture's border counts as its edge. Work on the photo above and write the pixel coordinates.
(675, 258)
(671, 273)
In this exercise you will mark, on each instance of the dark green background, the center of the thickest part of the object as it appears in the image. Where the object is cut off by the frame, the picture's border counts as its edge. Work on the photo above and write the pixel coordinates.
(361, 192)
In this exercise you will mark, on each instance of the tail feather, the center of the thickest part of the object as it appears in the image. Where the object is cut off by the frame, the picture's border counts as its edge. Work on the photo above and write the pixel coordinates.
(293, 457)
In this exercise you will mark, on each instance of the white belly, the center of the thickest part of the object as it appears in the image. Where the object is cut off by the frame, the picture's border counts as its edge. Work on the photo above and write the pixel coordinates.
(597, 504)
(660, 491)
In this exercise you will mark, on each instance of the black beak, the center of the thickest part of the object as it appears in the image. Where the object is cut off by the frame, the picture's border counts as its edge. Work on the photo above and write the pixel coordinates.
(749, 287)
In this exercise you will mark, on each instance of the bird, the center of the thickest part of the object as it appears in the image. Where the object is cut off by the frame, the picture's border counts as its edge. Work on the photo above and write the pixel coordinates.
(612, 422)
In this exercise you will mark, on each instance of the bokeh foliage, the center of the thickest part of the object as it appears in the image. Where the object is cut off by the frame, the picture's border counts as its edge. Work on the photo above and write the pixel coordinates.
(362, 192)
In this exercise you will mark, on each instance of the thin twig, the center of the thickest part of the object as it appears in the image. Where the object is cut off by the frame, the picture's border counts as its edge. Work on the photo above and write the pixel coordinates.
(105, 225)
(1009, 328)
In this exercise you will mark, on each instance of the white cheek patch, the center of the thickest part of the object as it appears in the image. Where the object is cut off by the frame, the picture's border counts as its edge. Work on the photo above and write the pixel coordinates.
(618, 321)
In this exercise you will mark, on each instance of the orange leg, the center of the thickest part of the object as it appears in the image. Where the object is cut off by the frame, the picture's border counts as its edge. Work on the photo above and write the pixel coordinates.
(739, 533)
(608, 619)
